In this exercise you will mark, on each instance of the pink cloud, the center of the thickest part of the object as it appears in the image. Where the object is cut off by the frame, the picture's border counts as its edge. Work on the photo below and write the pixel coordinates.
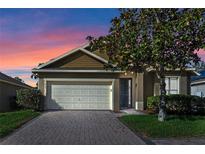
(31, 50)
(201, 53)
(31, 58)
(27, 79)
(27, 51)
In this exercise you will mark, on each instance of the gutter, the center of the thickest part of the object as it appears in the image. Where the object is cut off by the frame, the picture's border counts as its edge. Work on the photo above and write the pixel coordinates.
(197, 83)
(74, 71)
(187, 69)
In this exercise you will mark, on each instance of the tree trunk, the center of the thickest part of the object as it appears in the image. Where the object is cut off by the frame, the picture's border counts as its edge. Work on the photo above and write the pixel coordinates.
(162, 104)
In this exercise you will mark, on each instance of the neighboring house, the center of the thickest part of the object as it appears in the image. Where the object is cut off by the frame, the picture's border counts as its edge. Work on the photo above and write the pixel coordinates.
(8, 87)
(198, 84)
(78, 80)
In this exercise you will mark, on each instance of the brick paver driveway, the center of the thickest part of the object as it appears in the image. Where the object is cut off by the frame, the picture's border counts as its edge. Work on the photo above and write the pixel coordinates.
(74, 127)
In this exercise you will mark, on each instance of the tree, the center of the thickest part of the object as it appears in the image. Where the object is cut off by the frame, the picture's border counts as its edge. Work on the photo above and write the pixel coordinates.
(158, 38)
(35, 75)
(19, 79)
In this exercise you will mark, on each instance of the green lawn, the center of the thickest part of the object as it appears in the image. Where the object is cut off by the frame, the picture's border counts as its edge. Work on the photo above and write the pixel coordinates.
(175, 126)
(12, 120)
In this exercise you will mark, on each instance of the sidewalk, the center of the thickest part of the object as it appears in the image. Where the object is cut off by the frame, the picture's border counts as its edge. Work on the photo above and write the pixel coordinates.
(129, 112)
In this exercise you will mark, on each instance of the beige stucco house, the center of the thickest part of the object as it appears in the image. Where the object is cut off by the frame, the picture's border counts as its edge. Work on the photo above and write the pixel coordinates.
(78, 80)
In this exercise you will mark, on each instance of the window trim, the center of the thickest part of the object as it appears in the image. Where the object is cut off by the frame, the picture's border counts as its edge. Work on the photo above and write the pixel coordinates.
(178, 78)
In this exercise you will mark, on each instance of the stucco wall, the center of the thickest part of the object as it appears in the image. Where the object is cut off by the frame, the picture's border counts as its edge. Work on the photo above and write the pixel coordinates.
(6, 92)
(116, 95)
(139, 91)
(184, 84)
(151, 84)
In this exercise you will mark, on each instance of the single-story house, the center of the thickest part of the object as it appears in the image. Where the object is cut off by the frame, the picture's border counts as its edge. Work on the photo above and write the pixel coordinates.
(198, 84)
(8, 87)
(78, 80)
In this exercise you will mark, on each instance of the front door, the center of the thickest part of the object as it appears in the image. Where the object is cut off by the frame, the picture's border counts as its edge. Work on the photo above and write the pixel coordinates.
(125, 93)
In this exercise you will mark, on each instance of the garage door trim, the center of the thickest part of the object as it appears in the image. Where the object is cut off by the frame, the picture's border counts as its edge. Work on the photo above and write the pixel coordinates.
(46, 80)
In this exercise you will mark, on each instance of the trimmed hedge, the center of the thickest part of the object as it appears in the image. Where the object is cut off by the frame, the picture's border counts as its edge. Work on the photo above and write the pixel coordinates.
(29, 98)
(178, 104)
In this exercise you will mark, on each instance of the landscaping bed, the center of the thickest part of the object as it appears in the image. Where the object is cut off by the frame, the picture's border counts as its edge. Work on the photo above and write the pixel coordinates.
(12, 120)
(174, 126)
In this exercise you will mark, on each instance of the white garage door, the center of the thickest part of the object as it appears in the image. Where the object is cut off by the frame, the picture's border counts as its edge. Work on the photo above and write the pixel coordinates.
(97, 97)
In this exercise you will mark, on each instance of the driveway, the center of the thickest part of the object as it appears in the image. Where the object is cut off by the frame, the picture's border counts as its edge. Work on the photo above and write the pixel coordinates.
(74, 127)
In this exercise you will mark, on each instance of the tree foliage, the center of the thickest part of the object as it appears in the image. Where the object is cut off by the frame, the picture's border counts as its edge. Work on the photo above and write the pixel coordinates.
(154, 38)
(19, 79)
(35, 75)
(141, 38)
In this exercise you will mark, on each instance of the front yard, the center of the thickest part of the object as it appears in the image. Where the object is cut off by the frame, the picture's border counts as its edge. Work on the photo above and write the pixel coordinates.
(12, 120)
(175, 126)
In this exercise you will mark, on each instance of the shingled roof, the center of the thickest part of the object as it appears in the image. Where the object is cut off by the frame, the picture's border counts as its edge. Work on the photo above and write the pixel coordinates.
(200, 77)
(7, 79)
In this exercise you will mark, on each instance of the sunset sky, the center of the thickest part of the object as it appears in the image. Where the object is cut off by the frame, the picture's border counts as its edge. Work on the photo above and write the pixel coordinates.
(32, 36)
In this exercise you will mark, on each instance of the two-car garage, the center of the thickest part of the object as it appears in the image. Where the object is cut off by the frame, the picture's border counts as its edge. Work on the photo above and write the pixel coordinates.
(78, 80)
(79, 95)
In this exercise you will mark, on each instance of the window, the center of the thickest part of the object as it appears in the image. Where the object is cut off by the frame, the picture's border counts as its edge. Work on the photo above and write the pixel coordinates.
(172, 85)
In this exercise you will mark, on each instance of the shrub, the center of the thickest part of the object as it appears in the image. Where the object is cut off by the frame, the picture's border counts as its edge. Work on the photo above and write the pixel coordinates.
(152, 103)
(29, 98)
(178, 104)
(13, 104)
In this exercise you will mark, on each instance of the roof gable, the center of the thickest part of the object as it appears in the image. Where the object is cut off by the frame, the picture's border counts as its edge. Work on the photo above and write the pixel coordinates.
(78, 60)
(71, 53)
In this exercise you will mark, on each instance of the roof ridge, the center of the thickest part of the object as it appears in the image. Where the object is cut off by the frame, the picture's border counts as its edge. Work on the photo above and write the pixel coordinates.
(11, 79)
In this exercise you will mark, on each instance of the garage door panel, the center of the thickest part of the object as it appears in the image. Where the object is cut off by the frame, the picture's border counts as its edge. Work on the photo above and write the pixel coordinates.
(64, 100)
(80, 97)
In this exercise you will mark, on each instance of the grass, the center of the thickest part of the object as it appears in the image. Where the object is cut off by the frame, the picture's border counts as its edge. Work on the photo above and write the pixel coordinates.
(174, 126)
(9, 121)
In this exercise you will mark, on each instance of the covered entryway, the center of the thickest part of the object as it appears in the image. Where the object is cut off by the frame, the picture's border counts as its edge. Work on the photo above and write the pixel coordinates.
(125, 93)
(79, 95)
